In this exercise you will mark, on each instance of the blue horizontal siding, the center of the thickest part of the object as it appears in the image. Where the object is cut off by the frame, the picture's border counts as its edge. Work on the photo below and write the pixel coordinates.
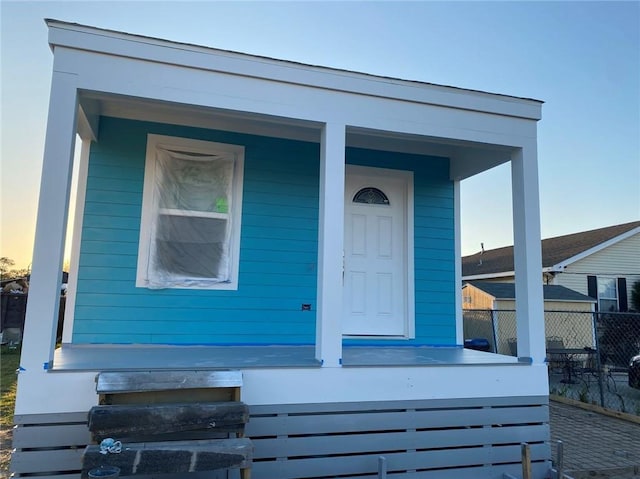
(426, 212)
(283, 198)
(423, 253)
(435, 233)
(114, 184)
(99, 195)
(114, 247)
(109, 234)
(112, 260)
(115, 222)
(172, 327)
(424, 275)
(434, 222)
(106, 273)
(235, 308)
(124, 210)
(279, 221)
(277, 213)
(115, 170)
(434, 264)
(280, 233)
(262, 189)
(184, 339)
(257, 296)
(278, 247)
(277, 271)
(270, 255)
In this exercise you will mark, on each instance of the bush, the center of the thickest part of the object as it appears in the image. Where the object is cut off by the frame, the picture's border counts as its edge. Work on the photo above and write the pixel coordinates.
(618, 337)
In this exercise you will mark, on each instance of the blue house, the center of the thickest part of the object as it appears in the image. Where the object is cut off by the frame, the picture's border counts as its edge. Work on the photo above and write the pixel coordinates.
(297, 223)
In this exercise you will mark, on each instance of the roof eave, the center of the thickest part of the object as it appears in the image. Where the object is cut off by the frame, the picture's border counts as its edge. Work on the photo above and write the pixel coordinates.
(78, 36)
(504, 274)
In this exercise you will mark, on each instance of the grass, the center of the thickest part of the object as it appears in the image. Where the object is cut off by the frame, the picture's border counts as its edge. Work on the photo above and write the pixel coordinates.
(9, 362)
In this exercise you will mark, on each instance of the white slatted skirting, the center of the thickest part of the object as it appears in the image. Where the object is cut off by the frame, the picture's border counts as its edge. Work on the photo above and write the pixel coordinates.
(469, 438)
(49, 445)
(457, 438)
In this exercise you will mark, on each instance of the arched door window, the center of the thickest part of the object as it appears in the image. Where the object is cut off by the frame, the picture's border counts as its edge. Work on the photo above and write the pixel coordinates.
(371, 196)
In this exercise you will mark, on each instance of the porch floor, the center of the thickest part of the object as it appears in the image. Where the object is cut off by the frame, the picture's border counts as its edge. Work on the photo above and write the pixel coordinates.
(92, 357)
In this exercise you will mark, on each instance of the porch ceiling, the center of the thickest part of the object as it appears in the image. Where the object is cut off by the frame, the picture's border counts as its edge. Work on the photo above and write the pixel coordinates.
(467, 158)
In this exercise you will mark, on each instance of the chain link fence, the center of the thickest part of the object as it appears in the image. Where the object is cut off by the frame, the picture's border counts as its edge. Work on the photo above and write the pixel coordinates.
(588, 354)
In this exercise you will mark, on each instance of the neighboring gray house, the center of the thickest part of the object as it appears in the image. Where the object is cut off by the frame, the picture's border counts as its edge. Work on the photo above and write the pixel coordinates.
(603, 263)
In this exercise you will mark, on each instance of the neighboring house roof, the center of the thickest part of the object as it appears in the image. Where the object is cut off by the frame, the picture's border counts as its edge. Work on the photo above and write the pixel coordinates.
(557, 252)
(549, 292)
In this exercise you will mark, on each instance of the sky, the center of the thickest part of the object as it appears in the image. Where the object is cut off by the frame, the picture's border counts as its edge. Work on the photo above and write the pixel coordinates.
(581, 58)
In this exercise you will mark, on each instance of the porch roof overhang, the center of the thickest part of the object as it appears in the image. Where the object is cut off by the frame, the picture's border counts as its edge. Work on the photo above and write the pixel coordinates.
(131, 76)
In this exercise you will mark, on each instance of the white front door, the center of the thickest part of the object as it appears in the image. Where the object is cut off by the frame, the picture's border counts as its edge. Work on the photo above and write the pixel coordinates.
(375, 253)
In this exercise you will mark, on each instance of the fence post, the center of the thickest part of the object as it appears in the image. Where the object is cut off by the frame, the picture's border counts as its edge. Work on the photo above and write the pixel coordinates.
(382, 467)
(560, 460)
(526, 460)
(598, 363)
(494, 329)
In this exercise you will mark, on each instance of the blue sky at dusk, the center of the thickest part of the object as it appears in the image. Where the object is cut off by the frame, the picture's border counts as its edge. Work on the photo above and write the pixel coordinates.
(581, 58)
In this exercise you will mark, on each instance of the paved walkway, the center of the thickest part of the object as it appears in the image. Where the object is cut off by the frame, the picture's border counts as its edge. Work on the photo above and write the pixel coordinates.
(595, 445)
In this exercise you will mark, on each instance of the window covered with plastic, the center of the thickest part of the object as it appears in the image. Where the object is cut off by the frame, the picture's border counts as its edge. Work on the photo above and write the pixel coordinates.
(189, 234)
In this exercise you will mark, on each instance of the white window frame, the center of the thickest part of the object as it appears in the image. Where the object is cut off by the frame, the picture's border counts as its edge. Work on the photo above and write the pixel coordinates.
(605, 298)
(149, 206)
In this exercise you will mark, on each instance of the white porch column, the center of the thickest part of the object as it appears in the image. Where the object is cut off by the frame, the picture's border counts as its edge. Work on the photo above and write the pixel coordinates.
(527, 254)
(458, 255)
(44, 290)
(330, 245)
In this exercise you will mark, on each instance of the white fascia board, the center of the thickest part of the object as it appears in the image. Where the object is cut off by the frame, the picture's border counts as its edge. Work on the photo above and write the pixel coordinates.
(169, 83)
(560, 267)
(77, 390)
(74, 392)
(488, 275)
(326, 385)
(191, 56)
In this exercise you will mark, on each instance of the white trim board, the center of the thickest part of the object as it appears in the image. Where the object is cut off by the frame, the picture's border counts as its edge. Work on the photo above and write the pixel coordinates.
(76, 241)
